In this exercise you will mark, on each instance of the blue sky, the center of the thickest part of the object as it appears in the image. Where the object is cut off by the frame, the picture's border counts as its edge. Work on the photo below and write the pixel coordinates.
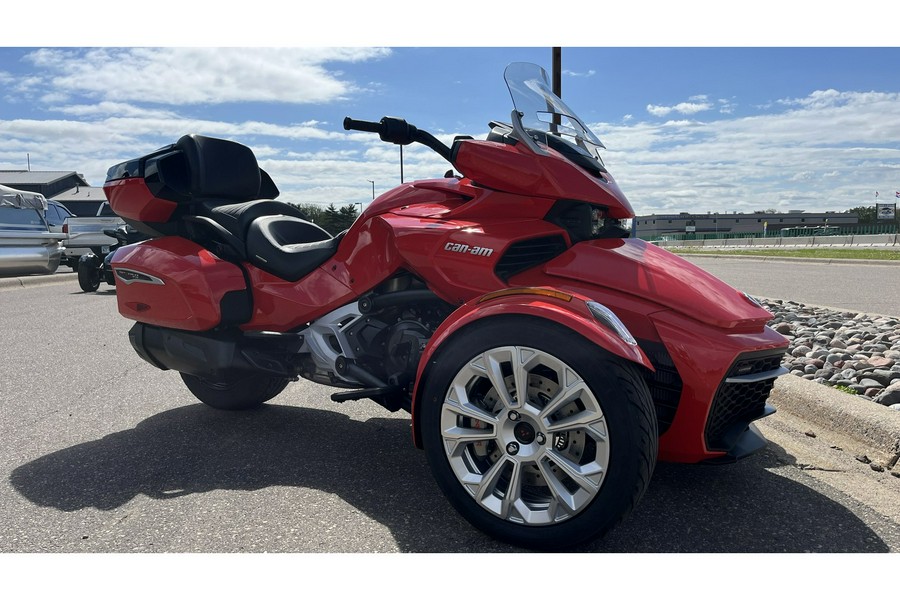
(707, 128)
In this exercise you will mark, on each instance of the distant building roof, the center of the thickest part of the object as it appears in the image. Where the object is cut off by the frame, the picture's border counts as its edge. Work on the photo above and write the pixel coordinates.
(14, 178)
(82, 193)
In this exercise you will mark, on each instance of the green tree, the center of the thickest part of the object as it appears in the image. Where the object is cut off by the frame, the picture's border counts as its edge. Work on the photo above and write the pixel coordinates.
(348, 215)
(332, 219)
(310, 212)
(865, 214)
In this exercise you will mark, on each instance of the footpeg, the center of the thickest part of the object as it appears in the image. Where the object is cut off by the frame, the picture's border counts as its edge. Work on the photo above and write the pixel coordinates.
(362, 394)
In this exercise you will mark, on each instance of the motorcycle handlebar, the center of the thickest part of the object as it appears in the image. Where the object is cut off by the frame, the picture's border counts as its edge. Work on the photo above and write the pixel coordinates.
(361, 125)
(398, 131)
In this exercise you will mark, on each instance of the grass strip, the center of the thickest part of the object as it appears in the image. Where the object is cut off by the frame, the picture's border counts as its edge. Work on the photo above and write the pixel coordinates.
(848, 253)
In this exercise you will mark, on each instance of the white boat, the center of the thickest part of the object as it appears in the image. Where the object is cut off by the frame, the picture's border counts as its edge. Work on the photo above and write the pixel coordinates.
(27, 246)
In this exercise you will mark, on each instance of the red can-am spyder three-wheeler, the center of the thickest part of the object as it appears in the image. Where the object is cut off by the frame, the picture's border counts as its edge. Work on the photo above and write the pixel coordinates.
(546, 358)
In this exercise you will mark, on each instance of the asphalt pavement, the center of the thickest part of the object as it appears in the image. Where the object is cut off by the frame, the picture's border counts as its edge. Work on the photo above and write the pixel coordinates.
(866, 286)
(106, 454)
(868, 424)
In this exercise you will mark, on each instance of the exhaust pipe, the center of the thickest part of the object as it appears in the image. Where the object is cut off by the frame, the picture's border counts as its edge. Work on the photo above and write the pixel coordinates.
(209, 354)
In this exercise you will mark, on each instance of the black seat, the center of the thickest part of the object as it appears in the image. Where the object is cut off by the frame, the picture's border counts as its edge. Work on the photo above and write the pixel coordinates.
(227, 204)
(288, 246)
(237, 218)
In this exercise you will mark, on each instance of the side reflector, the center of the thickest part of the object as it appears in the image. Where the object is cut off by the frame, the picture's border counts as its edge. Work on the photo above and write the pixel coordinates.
(534, 291)
(129, 276)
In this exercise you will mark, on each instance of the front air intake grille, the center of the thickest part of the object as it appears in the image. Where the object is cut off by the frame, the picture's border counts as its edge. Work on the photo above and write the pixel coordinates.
(737, 403)
(664, 383)
(529, 253)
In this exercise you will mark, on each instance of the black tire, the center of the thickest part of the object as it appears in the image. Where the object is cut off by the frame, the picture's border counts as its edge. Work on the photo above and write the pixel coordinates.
(240, 392)
(88, 273)
(617, 452)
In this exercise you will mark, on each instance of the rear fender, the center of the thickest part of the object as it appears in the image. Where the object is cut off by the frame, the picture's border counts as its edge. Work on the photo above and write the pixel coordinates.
(572, 311)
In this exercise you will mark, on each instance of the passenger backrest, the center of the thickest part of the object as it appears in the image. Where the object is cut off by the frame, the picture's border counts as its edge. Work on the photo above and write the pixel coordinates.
(200, 168)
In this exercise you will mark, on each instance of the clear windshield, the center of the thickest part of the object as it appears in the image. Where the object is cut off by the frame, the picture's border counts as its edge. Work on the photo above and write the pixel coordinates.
(544, 111)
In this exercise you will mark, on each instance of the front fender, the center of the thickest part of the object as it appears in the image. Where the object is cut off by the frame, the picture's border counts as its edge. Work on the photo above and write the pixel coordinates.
(564, 308)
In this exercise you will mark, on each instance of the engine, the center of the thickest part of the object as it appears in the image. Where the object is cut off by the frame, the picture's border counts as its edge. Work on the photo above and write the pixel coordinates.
(374, 345)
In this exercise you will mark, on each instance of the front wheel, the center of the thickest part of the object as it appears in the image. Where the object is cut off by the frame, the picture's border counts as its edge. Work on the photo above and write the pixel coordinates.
(538, 437)
(88, 273)
(238, 392)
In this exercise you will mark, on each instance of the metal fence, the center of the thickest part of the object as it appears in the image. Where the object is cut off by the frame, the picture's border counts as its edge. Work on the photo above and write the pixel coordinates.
(850, 230)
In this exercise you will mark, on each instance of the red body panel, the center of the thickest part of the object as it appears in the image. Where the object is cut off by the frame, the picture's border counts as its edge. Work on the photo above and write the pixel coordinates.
(516, 170)
(194, 281)
(280, 305)
(130, 199)
(643, 270)
(703, 355)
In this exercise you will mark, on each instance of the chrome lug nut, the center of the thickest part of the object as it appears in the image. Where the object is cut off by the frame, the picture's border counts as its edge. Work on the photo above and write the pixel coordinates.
(513, 416)
(512, 448)
(541, 439)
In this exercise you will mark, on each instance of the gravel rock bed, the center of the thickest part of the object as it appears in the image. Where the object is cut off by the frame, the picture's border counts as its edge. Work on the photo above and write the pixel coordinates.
(854, 352)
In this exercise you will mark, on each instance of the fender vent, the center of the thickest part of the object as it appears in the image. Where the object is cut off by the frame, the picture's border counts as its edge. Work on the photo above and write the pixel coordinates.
(665, 383)
(529, 253)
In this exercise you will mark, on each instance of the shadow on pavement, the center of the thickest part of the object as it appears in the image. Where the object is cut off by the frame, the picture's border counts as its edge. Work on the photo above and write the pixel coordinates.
(374, 467)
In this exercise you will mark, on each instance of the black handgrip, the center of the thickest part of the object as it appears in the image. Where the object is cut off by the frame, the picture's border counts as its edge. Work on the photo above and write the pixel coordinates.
(361, 125)
(398, 131)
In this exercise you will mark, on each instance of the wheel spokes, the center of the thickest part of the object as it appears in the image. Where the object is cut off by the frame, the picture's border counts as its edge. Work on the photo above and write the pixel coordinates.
(491, 364)
(500, 487)
(585, 419)
(501, 417)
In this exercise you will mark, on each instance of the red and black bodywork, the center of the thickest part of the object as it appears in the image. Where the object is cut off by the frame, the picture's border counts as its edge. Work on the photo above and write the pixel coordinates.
(233, 279)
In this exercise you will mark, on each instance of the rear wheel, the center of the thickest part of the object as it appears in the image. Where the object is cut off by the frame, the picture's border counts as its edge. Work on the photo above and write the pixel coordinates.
(537, 436)
(88, 273)
(237, 392)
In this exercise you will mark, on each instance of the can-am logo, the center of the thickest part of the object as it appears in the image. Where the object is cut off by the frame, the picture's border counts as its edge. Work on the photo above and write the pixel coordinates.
(467, 249)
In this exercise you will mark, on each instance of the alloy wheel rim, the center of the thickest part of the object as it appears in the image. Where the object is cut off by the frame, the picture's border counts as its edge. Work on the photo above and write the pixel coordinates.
(525, 435)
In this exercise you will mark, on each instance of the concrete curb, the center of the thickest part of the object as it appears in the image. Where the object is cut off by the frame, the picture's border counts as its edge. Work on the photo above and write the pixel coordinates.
(29, 281)
(868, 424)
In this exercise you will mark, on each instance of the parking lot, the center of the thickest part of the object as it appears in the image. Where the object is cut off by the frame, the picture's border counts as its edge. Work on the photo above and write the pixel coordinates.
(104, 453)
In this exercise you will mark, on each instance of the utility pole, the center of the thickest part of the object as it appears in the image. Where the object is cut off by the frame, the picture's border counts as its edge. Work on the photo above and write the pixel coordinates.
(373, 188)
(557, 82)
(557, 71)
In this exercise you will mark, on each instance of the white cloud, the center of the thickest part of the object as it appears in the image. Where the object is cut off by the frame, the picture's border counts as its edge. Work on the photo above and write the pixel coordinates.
(726, 107)
(177, 76)
(827, 151)
(685, 108)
